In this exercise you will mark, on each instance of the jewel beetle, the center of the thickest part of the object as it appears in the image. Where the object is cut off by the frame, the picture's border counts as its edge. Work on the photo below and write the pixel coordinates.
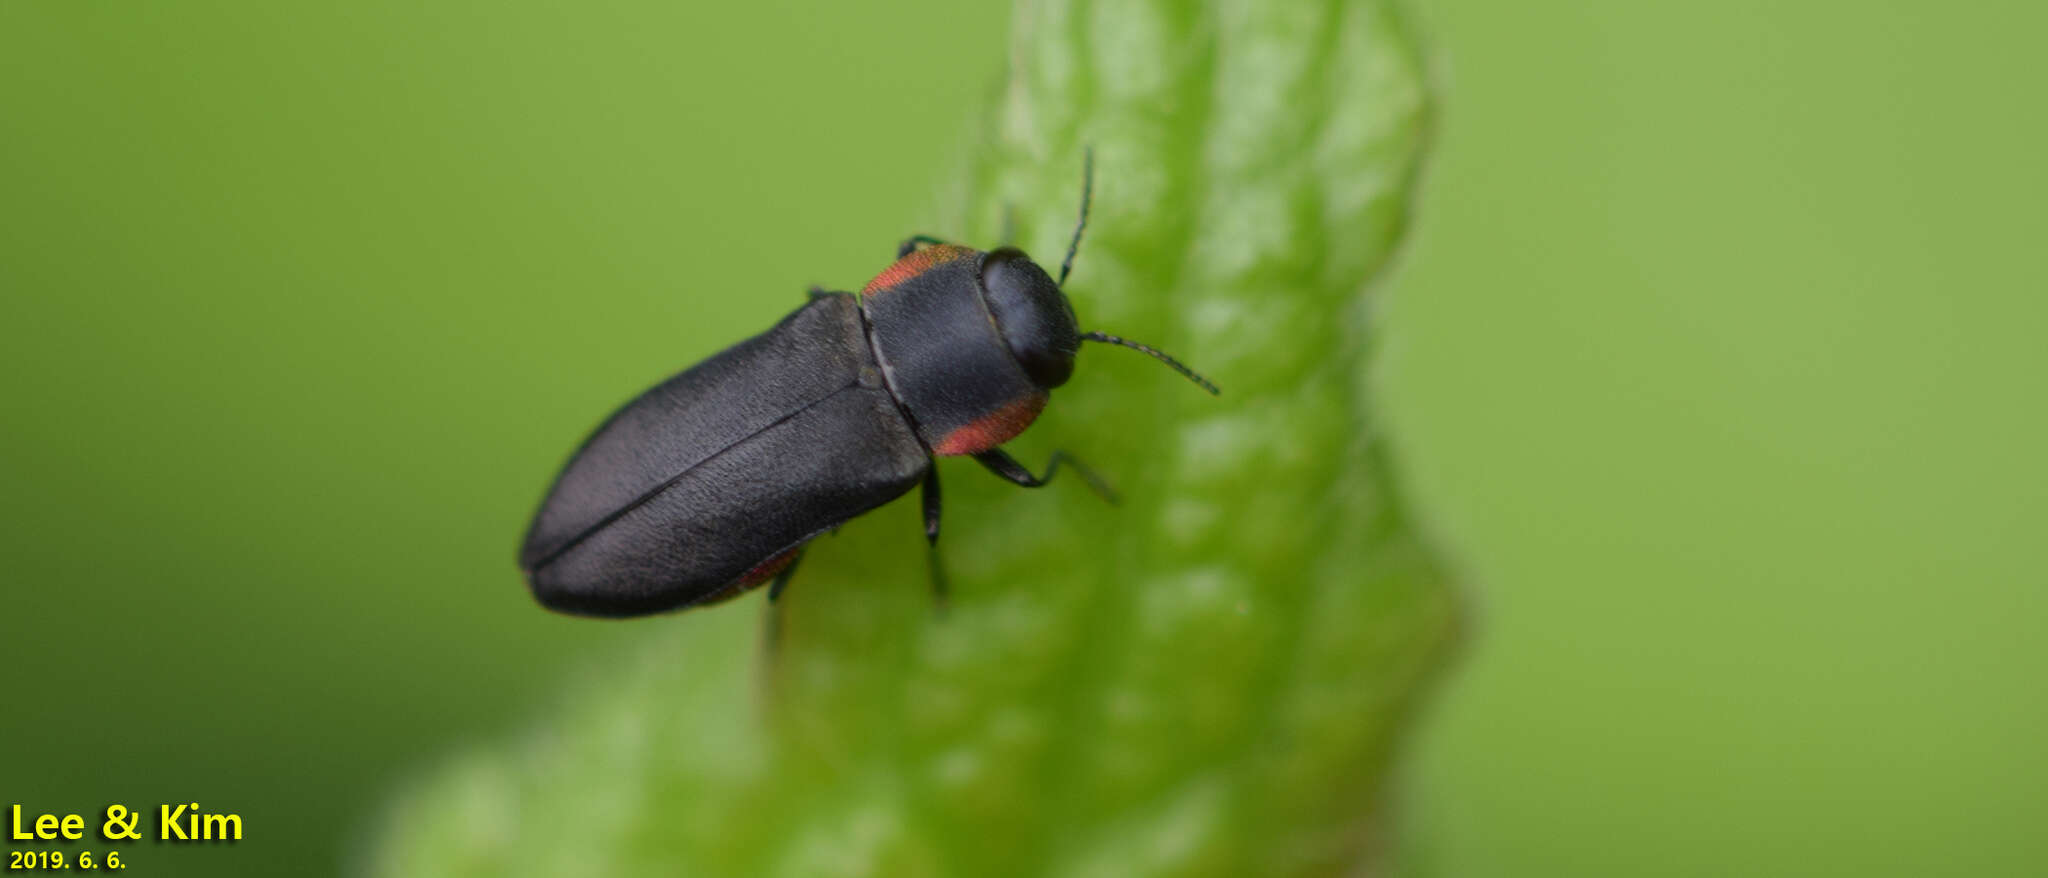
(711, 483)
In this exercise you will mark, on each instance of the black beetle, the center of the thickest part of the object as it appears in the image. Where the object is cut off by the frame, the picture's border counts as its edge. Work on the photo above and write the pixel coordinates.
(711, 482)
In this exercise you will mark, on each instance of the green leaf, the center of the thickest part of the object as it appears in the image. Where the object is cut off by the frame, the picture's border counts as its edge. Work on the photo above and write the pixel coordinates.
(1208, 679)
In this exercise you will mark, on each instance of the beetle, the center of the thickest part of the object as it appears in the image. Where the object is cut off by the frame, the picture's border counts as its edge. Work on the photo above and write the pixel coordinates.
(710, 483)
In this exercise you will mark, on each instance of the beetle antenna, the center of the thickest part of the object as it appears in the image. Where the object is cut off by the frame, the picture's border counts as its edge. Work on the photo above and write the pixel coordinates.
(1156, 354)
(1087, 195)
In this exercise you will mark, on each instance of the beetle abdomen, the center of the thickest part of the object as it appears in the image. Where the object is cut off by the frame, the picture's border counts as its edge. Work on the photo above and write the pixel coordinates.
(720, 468)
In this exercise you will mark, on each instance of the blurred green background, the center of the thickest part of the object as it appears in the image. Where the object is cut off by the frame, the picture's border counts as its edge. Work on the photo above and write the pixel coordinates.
(1716, 359)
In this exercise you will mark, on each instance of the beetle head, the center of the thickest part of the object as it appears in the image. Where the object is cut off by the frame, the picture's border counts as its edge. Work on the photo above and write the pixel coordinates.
(1035, 318)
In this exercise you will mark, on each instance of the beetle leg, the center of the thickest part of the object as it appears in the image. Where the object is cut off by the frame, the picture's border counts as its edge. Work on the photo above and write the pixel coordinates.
(771, 632)
(782, 579)
(771, 639)
(1004, 465)
(909, 244)
(940, 588)
(931, 504)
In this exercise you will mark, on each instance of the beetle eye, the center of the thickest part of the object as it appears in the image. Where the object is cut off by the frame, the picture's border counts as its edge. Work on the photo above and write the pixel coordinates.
(1033, 315)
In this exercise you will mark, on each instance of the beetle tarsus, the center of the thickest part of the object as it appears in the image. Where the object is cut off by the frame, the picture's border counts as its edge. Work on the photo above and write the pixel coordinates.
(1002, 464)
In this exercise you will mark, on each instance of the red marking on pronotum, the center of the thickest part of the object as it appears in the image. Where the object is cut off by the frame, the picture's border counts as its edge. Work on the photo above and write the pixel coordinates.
(992, 429)
(918, 262)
